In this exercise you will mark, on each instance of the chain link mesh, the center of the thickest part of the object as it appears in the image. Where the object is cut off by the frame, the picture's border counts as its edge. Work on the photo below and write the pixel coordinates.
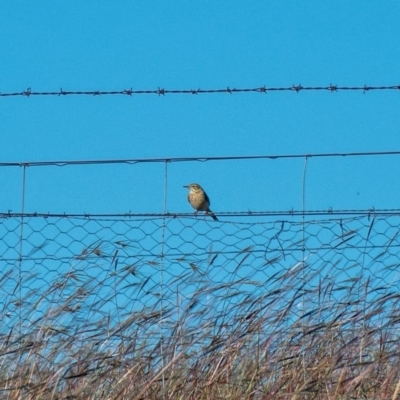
(84, 288)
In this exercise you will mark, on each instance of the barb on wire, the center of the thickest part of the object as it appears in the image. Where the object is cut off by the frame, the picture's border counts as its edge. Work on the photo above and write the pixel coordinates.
(162, 92)
(254, 214)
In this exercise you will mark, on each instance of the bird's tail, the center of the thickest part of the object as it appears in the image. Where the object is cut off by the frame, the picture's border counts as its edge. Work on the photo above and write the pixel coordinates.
(214, 217)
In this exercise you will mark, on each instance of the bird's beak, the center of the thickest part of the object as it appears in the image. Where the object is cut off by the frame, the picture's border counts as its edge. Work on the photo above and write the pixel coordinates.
(186, 186)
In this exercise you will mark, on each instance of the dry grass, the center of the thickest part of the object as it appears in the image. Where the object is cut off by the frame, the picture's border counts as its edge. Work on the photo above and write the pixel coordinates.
(253, 349)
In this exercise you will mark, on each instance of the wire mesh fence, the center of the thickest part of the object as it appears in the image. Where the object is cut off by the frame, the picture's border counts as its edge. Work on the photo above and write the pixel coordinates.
(134, 303)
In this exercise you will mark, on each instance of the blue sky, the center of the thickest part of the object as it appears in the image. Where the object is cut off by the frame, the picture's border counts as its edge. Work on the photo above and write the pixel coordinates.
(104, 45)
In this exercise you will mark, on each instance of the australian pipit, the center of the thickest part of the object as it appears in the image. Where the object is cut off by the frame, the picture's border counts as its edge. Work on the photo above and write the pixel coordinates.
(199, 200)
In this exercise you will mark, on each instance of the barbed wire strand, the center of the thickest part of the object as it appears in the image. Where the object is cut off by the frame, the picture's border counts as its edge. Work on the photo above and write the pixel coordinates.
(268, 213)
(63, 163)
(162, 91)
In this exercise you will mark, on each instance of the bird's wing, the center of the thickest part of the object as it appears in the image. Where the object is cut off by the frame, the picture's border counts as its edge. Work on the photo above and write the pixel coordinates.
(207, 198)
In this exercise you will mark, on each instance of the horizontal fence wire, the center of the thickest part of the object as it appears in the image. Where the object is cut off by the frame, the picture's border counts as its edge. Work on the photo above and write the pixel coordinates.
(162, 91)
(63, 163)
(371, 212)
(86, 298)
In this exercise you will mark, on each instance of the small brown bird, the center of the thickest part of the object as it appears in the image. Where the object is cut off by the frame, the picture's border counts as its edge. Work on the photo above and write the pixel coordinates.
(199, 200)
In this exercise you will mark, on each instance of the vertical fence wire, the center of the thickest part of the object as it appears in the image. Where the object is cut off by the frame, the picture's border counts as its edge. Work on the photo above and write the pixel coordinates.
(364, 291)
(303, 254)
(161, 278)
(21, 240)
